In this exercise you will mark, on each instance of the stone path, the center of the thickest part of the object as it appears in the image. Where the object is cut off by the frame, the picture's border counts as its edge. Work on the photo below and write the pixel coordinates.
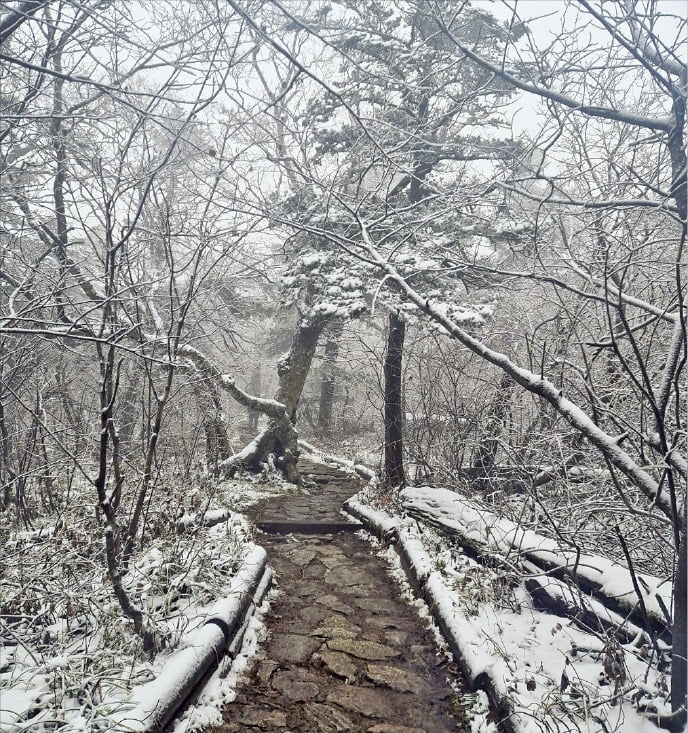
(345, 652)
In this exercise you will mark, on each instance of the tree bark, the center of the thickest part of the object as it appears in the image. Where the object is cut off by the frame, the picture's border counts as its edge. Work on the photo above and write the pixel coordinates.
(254, 388)
(279, 437)
(679, 657)
(394, 457)
(278, 442)
(328, 381)
(494, 424)
(218, 446)
(294, 366)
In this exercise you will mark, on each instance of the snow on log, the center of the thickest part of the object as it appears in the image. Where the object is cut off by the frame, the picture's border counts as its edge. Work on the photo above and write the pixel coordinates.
(486, 534)
(160, 700)
(359, 468)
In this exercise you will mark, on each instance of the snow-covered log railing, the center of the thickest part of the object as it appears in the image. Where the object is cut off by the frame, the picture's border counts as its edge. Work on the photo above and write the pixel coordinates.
(221, 633)
(417, 567)
(535, 668)
(484, 535)
(190, 522)
(558, 597)
(359, 468)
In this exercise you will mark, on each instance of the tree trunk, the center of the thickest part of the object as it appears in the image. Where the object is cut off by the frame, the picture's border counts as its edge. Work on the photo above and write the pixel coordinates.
(327, 383)
(394, 458)
(294, 366)
(254, 388)
(679, 663)
(275, 447)
(279, 438)
(277, 443)
(493, 426)
(218, 447)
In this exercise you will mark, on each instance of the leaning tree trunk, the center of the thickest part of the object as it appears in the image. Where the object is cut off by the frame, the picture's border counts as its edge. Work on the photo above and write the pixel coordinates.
(278, 441)
(294, 366)
(279, 438)
(393, 474)
(328, 381)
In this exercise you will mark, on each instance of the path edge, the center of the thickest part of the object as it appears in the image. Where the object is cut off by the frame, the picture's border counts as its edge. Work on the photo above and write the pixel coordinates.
(385, 528)
(189, 668)
(363, 471)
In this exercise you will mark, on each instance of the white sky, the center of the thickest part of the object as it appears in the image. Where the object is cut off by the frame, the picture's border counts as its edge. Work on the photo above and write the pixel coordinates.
(532, 8)
(545, 18)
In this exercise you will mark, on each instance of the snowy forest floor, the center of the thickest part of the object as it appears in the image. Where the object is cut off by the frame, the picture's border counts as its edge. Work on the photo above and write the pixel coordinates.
(69, 661)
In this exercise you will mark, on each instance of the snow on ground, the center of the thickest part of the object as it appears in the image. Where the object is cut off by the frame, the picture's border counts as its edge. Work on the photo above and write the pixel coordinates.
(220, 689)
(68, 657)
(556, 676)
(509, 539)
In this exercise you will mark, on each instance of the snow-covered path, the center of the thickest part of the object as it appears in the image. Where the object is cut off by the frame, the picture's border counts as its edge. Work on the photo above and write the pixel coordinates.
(346, 651)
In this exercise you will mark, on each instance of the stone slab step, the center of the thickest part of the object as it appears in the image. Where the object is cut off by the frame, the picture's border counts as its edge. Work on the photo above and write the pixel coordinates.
(281, 526)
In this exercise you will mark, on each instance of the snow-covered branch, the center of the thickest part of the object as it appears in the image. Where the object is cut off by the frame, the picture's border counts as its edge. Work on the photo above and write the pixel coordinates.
(576, 417)
(271, 408)
(652, 123)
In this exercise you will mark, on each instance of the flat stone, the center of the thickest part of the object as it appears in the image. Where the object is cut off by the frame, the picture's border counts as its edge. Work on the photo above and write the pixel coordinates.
(396, 679)
(386, 728)
(376, 605)
(275, 719)
(293, 688)
(328, 550)
(337, 627)
(304, 588)
(338, 664)
(296, 626)
(265, 669)
(395, 637)
(263, 718)
(334, 561)
(294, 648)
(314, 570)
(302, 556)
(366, 701)
(313, 615)
(369, 650)
(339, 655)
(346, 577)
(321, 717)
(335, 604)
(387, 622)
(419, 650)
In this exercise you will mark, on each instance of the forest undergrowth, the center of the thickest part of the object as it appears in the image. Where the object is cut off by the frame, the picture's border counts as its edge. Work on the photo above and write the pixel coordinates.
(69, 659)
